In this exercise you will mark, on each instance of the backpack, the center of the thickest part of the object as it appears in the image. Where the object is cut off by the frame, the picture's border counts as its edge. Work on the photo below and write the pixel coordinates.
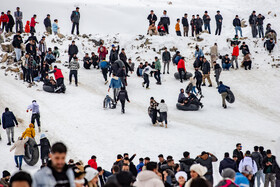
(177, 59)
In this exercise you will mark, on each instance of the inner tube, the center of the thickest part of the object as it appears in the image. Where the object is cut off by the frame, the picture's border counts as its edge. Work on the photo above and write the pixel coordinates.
(31, 156)
(47, 88)
(186, 75)
(230, 97)
(191, 107)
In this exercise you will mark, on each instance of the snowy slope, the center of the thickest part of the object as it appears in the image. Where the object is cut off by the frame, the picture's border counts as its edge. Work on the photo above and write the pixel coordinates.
(78, 119)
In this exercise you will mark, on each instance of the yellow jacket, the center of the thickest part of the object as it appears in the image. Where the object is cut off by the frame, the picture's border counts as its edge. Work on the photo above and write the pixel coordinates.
(177, 27)
(29, 132)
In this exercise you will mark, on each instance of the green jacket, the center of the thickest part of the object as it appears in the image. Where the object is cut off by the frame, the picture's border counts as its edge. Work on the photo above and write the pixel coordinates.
(157, 65)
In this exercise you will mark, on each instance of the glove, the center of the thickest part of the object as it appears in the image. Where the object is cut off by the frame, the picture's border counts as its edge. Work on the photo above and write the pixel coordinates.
(26, 110)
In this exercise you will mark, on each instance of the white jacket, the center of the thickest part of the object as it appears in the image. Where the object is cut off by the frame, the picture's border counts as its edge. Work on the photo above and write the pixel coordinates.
(248, 161)
(162, 107)
(148, 179)
(19, 146)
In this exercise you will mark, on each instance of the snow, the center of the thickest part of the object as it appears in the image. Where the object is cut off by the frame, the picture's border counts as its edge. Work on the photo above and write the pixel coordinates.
(78, 119)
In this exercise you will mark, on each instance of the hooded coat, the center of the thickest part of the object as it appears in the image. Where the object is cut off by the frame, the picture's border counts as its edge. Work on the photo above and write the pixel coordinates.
(148, 179)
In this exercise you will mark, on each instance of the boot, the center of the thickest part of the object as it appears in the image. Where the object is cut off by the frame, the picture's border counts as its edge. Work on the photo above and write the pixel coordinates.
(39, 128)
(165, 125)
(210, 85)
(13, 140)
(9, 143)
(203, 84)
(161, 124)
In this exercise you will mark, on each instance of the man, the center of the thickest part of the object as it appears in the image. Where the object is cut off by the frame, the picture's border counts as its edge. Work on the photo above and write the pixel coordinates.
(5, 178)
(247, 160)
(8, 121)
(228, 175)
(199, 24)
(219, 21)
(18, 17)
(185, 24)
(48, 25)
(222, 89)
(21, 179)
(257, 157)
(157, 71)
(186, 163)
(104, 65)
(152, 18)
(235, 54)
(11, 22)
(206, 159)
(206, 72)
(198, 52)
(206, 20)
(237, 25)
(34, 107)
(193, 25)
(139, 167)
(198, 78)
(4, 19)
(218, 71)
(149, 177)
(227, 162)
(33, 24)
(152, 30)
(270, 33)
(243, 178)
(161, 162)
(72, 50)
(116, 84)
(113, 179)
(145, 74)
(57, 172)
(253, 24)
(166, 58)
(181, 97)
(58, 76)
(92, 162)
(75, 18)
(131, 166)
(103, 176)
(181, 68)
(114, 54)
(269, 45)
(165, 21)
(226, 62)
(244, 48)
(17, 45)
(122, 96)
(260, 19)
(238, 153)
(269, 163)
(214, 53)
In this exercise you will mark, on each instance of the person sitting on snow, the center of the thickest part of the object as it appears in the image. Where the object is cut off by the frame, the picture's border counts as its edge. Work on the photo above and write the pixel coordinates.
(152, 30)
(182, 96)
(192, 99)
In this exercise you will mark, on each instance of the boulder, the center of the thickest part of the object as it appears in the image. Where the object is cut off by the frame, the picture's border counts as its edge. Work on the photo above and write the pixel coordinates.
(173, 49)
(243, 23)
(58, 61)
(147, 42)
(16, 70)
(60, 35)
(4, 58)
(8, 34)
(3, 67)
(85, 36)
(7, 47)
(69, 38)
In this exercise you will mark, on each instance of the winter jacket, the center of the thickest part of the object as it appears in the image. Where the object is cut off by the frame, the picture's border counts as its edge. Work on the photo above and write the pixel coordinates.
(8, 120)
(115, 82)
(139, 167)
(185, 22)
(271, 168)
(214, 50)
(123, 57)
(74, 65)
(57, 73)
(177, 27)
(102, 51)
(104, 64)
(217, 69)
(42, 48)
(268, 44)
(121, 72)
(31, 38)
(225, 60)
(206, 20)
(31, 49)
(260, 20)
(122, 96)
(162, 107)
(73, 50)
(199, 23)
(55, 27)
(253, 19)
(181, 65)
(157, 65)
(4, 18)
(29, 132)
(164, 19)
(257, 157)
(198, 75)
(152, 18)
(11, 22)
(239, 154)
(222, 88)
(227, 163)
(148, 179)
(205, 67)
(235, 51)
(236, 22)
(248, 161)
(19, 146)
(17, 42)
(45, 147)
(207, 163)
(147, 70)
(186, 163)
(114, 55)
(198, 53)
(92, 163)
(227, 183)
(193, 23)
(181, 98)
(277, 171)
(166, 57)
(33, 22)
(49, 56)
(45, 177)
(18, 15)
(219, 18)
(47, 22)
(75, 17)
(27, 27)
(4, 183)
(241, 180)
(245, 49)
(34, 107)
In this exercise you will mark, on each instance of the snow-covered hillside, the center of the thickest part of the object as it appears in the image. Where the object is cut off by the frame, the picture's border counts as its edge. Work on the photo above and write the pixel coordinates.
(78, 119)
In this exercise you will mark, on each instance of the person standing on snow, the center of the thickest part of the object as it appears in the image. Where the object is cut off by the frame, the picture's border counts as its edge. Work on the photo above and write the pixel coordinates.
(48, 24)
(122, 96)
(157, 70)
(214, 53)
(19, 152)
(237, 25)
(185, 24)
(235, 54)
(74, 66)
(222, 89)
(145, 73)
(164, 19)
(33, 24)
(218, 71)
(8, 121)
(72, 51)
(260, 19)
(253, 24)
(116, 84)
(11, 22)
(34, 107)
(219, 21)
(181, 68)
(45, 149)
(152, 18)
(75, 18)
(247, 160)
(163, 109)
(153, 110)
(104, 65)
(18, 17)
(166, 58)
(206, 72)
(206, 21)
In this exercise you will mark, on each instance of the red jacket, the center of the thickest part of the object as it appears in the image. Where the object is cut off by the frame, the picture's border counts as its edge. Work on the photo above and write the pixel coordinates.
(33, 22)
(181, 64)
(58, 73)
(92, 163)
(102, 54)
(235, 51)
(4, 18)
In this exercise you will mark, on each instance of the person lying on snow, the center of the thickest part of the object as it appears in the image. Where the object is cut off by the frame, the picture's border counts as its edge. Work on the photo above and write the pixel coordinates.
(192, 99)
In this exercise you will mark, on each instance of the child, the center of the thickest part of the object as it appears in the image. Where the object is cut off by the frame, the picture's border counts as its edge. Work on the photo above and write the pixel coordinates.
(122, 97)
(55, 27)
(177, 28)
(27, 27)
(193, 85)
(56, 53)
(29, 132)
(107, 101)
(162, 107)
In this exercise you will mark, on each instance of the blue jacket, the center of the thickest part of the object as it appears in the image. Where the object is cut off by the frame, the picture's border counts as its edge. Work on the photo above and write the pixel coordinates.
(139, 167)
(54, 27)
(115, 83)
(104, 64)
(241, 180)
(50, 56)
(198, 53)
(227, 163)
(222, 88)
(8, 120)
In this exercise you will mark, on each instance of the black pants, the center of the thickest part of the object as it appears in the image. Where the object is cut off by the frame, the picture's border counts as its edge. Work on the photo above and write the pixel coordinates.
(37, 118)
(178, 33)
(154, 116)
(270, 48)
(218, 29)
(19, 26)
(10, 28)
(32, 30)
(24, 70)
(198, 30)
(146, 80)
(70, 57)
(157, 76)
(123, 105)
(198, 85)
(73, 28)
(42, 58)
(193, 30)
(29, 76)
(59, 82)
(181, 71)
(4, 26)
(247, 64)
(75, 73)
(163, 117)
(166, 28)
(104, 72)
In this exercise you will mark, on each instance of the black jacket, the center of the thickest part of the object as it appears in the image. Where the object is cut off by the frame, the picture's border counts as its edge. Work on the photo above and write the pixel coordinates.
(87, 65)
(47, 22)
(245, 49)
(73, 50)
(236, 22)
(205, 20)
(206, 67)
(114, 55)
(123, 57)
(260, 20)
(193, 23)
(31, 49)
(8, 120)
(239, 155)
(45, 148)
(11, 22)
(198, 75)
(17, 41)
(166, 56)
(165, 20)
(253, 19)
(185, 22)
(121, 72)
(265, 160)
(199, 23)
(227, 163)
(268, 44)
(31, 38)
(186, 163)
(219, 17)
(226, 61)
(152, 19)
(122, 96)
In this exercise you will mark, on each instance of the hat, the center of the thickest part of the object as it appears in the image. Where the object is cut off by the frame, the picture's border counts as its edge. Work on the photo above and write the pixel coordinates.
(228, 173)
(31, 125)
(6, 173)
(42, 136)
(113, 46)
(90, 173)
(199, 169)
(181, 174)
(248, 153)
(247, 170)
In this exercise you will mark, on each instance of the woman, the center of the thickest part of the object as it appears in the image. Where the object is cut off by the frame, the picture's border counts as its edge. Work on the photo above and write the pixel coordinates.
(45, 149)
(19, 152)
(181, 178)
(197, 171)
(92, 177)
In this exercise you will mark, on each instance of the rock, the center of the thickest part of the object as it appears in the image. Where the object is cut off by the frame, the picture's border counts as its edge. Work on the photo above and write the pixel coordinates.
(228, 40)
(3, 67)
(269, 12)
(60, 35)
(275, 15)
(243, 38)
(1, 39)
(53, 40)
(142, 45)
(16, 70)
(205, 31)
(173, 49)
(141, 37)
(8, 34)
(115, 42)
(169, 3)
(7, 47)
(69, 38)
(243, 23)
(85, 36)
(58, 61)
(10, 61)
(199, 39)
(5, 58)
(147, 42)
(96, 43)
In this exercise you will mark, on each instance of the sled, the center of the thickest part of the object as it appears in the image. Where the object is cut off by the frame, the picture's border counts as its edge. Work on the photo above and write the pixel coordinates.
(186, 75)
(31, 156)
(230, 97)
(51, 89)
(191, 107)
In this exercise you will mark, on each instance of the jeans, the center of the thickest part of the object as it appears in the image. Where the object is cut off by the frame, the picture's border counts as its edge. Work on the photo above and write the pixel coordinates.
(10, 131)
(218, 29)
(146, 80)
(238, 28)
(104, 72)
(234, 58)
(123, 105)
(29, 75)
(19, 26)
(18, 160)
(166, 63)
(207, 26)
(37, 118)
(269, 177)
(226, 66)
(259, 176)
(116, 93)
(163, 117)
(198, 85)
(157, 76)
(178, 33)
(260, 30)
(193, 90)
(18, 53)
(75, 73)
(73, 28)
